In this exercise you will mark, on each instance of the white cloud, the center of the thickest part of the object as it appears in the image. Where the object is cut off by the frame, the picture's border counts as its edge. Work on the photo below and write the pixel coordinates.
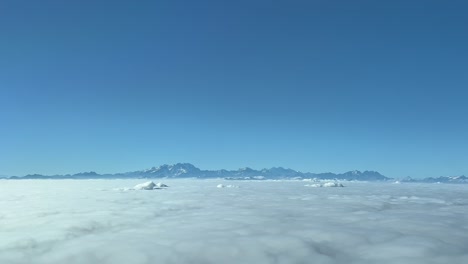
(86, 222)
(150, 185)
(226, 186)
(325, 184)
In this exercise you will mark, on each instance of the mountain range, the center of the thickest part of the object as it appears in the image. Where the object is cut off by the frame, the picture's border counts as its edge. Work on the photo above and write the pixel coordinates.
(441, 179)
(187, 170)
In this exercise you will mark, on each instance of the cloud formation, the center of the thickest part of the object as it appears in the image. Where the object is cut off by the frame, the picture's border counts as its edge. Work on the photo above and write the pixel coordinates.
(90, 221)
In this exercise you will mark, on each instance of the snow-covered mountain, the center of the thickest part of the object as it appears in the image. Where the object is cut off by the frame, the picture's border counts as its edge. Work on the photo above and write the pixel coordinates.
(187, 170)
(173, 171)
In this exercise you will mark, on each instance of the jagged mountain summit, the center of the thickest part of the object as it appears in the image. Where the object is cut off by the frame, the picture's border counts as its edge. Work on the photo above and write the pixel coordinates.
(187, 170)
(176, 170)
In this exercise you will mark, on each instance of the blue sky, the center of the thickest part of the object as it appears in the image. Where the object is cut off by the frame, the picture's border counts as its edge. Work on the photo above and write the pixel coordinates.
(311, 85)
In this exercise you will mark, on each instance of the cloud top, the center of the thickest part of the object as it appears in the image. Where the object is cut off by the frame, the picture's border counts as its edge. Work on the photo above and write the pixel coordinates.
(89, 222)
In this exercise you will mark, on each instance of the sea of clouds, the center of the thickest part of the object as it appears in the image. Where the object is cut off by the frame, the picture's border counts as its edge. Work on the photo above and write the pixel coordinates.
(195, 221)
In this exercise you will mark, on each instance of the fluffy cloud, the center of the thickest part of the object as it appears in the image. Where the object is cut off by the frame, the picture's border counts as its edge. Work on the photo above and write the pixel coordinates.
(86, 222)
(150, 185)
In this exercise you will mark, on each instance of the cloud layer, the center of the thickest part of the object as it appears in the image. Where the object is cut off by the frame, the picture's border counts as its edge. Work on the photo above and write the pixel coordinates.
(93, 221)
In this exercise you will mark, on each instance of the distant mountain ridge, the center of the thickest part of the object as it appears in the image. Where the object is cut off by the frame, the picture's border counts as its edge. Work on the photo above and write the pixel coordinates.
(187, 170)
(441, 179)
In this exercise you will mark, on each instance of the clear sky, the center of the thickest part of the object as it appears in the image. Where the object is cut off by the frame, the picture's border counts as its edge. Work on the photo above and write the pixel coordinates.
(314, 85)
